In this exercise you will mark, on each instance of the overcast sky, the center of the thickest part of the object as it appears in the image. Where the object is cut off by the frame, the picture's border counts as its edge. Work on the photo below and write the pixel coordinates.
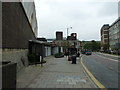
(85, 18)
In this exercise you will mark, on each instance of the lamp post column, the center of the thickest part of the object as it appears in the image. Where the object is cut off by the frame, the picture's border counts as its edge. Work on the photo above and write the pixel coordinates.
(67, 38)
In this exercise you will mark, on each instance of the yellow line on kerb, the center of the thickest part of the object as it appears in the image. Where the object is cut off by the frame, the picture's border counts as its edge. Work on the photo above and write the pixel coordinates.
(93, 78)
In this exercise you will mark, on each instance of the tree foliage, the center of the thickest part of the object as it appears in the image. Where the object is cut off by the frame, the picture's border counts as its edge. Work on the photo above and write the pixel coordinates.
(105, 46)
(93, 45)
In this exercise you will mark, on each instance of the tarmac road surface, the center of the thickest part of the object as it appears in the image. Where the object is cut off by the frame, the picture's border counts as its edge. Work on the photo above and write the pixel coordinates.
(105, 70)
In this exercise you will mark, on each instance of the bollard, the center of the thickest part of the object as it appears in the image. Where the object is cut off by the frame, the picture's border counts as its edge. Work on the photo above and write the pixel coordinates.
(41, 61)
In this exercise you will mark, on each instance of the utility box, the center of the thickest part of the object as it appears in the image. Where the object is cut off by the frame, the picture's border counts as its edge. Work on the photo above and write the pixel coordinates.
(9, 76)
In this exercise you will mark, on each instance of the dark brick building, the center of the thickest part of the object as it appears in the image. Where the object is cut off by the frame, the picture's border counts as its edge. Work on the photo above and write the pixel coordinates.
(16, 29)
(16, 33)
(59, 35)
(72, 37)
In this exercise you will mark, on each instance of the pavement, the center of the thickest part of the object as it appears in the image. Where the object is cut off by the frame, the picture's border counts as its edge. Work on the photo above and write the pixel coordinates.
(56, 73)
(110, 56)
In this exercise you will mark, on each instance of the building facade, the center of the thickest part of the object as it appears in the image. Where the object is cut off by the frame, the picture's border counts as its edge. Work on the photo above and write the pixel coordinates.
(74, 36)
(105, 34)
(114, 35)
(17, 30)
(59, 35)
(30, 11)
(119, 9)
(105, 37)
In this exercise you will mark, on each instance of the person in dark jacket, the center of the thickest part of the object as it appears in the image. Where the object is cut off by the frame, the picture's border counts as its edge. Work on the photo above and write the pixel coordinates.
(78, 54)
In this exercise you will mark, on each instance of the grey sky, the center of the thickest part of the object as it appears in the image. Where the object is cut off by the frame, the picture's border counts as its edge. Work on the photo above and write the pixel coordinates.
(85, 17)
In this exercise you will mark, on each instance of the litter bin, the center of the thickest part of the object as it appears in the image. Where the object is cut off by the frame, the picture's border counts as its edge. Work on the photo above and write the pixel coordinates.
(69, 58)
(9, 70)
(73, 59)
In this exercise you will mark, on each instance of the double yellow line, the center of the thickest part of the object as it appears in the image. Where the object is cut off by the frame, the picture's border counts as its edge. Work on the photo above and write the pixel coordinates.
(93, 78)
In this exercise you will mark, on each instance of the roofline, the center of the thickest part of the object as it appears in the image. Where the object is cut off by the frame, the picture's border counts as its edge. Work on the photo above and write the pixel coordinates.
(40, 42)
(115, 22)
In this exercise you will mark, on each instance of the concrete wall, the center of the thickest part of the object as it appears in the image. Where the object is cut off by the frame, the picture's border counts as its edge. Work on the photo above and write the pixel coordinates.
(18, 56)
(16, 30)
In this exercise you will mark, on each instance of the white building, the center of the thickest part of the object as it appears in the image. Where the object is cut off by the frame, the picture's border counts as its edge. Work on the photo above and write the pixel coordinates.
(48, 50)
(29, 8)
(119, 9)
(105, 34)
(114, 35)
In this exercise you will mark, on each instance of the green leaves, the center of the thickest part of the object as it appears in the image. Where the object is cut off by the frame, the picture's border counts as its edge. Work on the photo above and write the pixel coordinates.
(93, 45)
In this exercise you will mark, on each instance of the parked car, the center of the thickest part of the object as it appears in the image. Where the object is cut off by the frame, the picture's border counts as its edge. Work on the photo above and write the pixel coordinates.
(108, 51)
(88, 52)
(116, 52)
(101, 51)
(83, 51)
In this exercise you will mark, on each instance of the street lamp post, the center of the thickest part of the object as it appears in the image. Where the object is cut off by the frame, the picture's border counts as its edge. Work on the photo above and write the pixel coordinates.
(67, 37)
(68, 29)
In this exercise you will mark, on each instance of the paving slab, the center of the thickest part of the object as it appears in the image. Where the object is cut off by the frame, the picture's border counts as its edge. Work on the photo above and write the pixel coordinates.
(56, 73)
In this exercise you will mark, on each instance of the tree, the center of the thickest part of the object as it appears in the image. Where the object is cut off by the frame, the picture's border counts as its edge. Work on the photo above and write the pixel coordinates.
(87, 46)
(93, 45)
(105, 47)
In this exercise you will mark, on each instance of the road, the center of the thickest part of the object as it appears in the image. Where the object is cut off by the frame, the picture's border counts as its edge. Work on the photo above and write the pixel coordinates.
(105, 70)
